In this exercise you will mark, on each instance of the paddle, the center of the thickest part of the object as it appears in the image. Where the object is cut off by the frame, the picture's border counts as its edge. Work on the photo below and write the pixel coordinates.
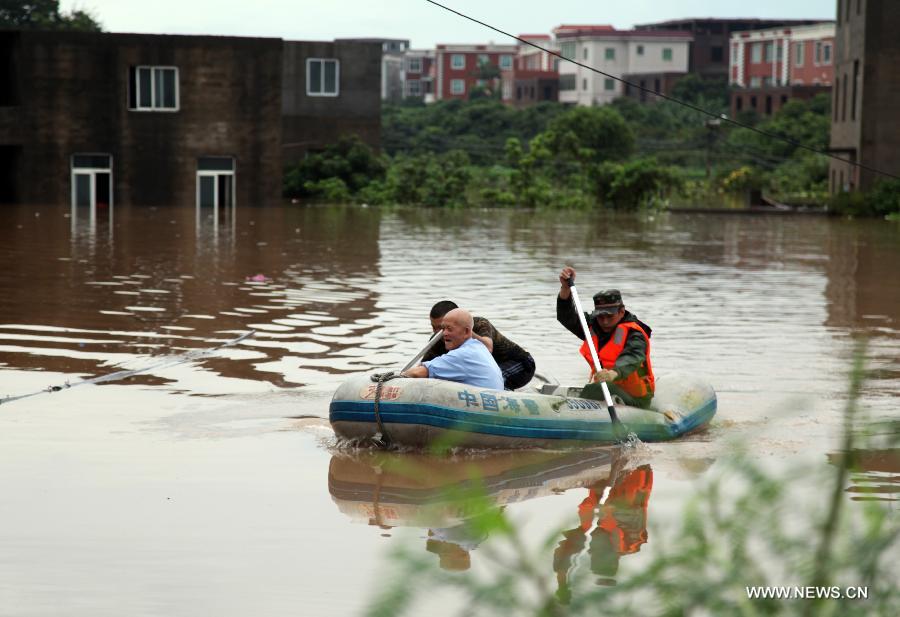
(421, 354)
(617, 424)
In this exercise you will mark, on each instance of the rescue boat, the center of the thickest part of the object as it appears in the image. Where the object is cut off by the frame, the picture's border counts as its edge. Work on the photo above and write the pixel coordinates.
(421, 412)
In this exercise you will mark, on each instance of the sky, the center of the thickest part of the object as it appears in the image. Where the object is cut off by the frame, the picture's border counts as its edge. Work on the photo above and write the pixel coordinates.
(424, 24)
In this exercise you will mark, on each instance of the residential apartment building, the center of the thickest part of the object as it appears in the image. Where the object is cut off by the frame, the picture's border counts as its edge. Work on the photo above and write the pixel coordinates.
(459, 69)
(94, 119)
(865, 124)
(418, 74)
(711, 37)
(616, 53)
(534, 77)
(773, 66)
(781, 56)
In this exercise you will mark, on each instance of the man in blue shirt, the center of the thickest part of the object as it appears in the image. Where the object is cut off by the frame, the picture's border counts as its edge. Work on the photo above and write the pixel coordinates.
(467, 360)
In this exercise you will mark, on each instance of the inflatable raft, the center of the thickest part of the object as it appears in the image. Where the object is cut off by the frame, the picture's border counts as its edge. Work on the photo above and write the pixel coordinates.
(419, 412)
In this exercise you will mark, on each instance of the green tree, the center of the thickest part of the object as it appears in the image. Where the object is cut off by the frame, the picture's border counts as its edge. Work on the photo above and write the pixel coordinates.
(593, 133)
(44, 15)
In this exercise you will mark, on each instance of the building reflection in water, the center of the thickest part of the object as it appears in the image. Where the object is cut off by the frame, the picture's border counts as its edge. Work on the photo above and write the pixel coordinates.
(436, 493)
(89, 293)
(874, 473)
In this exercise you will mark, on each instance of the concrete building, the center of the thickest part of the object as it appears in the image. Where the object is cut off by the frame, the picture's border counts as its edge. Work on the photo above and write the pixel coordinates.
(461, 68)
(329, 89)
(710, 39)
(393, 52)
(865, 123)
(617, 53)
(149, 120)
(770, 67)
(96, 119)
(534, 77)
(782, 56)
(418, 74)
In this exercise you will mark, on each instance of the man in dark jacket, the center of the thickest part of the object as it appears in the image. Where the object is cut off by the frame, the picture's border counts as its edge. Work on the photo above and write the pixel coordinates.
(515, 363)
(621, 340)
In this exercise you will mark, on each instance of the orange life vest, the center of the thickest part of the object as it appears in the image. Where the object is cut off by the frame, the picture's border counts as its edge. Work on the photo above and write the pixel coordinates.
(638, 384)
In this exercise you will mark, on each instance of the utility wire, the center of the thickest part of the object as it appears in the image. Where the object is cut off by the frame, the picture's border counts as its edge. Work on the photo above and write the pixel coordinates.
(711, 114)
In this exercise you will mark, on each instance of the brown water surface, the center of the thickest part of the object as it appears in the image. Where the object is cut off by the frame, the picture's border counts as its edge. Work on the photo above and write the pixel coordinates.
(208, 486)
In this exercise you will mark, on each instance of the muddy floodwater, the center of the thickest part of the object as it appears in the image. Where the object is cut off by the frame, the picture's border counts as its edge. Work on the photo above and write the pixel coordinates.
(211, 485)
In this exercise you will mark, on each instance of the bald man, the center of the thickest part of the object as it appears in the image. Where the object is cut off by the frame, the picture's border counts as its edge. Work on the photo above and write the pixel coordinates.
(467, 359)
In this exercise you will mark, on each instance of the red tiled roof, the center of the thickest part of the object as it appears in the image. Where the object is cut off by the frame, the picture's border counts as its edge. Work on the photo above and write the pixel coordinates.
(534, 36)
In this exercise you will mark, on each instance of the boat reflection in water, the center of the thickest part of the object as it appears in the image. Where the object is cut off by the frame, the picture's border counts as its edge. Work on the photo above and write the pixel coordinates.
(441, 494)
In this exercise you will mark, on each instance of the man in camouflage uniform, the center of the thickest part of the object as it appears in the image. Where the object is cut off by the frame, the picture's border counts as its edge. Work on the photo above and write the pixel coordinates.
(515, 363)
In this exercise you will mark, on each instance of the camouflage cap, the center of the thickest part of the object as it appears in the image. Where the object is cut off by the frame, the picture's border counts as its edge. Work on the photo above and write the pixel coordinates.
(607, 302)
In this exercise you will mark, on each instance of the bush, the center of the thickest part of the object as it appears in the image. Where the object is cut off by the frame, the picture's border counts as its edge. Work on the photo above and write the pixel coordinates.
(631, 185)
(882, 200)
(349, 160)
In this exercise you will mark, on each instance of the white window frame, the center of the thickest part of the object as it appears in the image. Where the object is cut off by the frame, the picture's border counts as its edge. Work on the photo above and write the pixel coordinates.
(609, 53)
(417, 91)
(756, 53)
(609, 84)
(337, 77)
(137, 88)
(457, 90)
(506, 62)
(826, 54)
(483, 59)
(567, 50)
(457, 62)
(671, 54)
(414, 65)
(799, 53)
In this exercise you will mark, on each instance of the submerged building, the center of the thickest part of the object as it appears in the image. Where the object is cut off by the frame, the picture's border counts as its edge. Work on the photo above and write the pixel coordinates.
(94, 119)
(865, 124)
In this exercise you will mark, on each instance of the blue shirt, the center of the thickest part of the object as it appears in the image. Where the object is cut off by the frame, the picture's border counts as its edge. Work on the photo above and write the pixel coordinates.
(470, 363)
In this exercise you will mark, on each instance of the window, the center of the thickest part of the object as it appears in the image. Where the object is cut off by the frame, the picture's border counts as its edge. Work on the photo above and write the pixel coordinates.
(483, 59)
(414, 65)
(734, 54)
(640, 50)
(754, 82)
(457, 86)
(584, 84)
(414, 87)
(770, 51)
(215, 182)
(457, 61)
(826, 54)
(716, 53)
(818, 59)
(91, 182)
(853, 96)
(756, 53)
(753, 102)
(609, 85)
(506, 62)
(567, 82)
(798, 54)
(667, 54)
(153, 88)
(322, 77)
(610, 53)
(567, 50)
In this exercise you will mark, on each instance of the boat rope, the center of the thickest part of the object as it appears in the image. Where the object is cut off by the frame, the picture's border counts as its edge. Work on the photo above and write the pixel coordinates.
(718, 116)
(164, 363)
(382, 439)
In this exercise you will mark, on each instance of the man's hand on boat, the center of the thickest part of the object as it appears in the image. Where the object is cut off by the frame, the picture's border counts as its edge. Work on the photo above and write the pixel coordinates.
(606, 375)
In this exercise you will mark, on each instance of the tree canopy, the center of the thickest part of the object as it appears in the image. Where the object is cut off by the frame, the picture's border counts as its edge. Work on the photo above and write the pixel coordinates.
(44, 15)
